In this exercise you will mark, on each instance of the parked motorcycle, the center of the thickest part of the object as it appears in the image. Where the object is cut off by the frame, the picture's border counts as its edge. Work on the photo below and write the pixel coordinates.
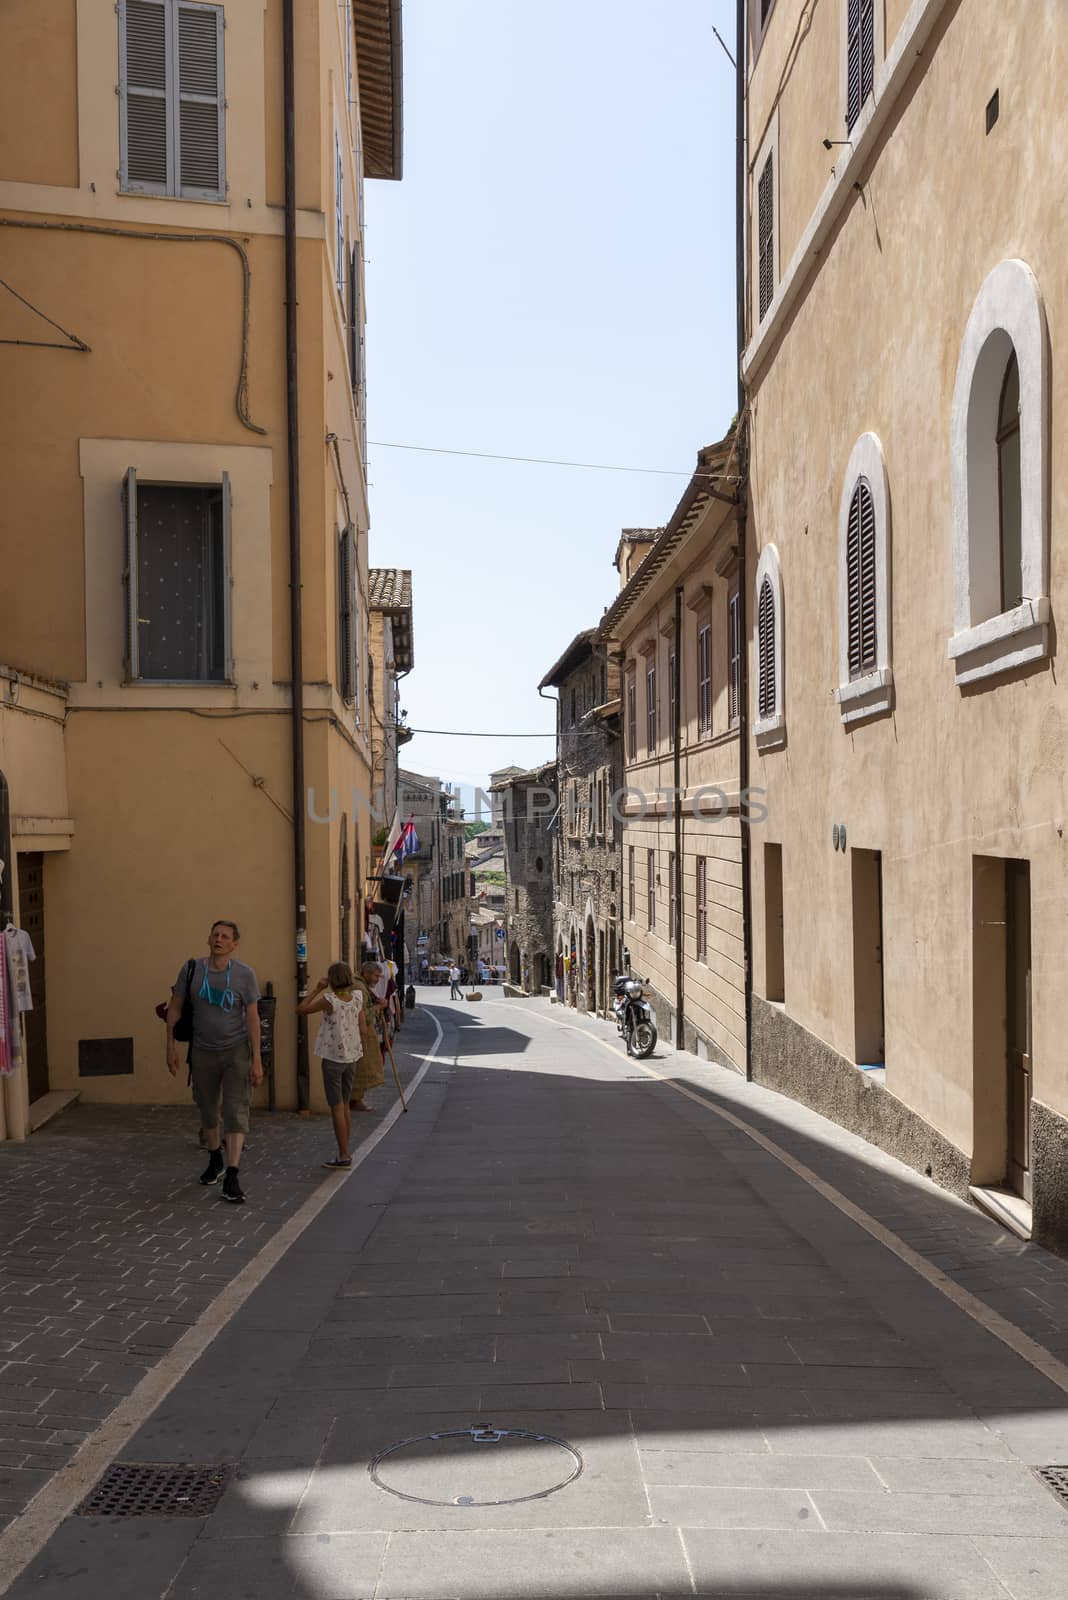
(634, 1015)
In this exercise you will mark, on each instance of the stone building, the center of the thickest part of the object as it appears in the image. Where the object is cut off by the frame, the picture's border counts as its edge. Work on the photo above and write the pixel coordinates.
(422, 799)
(905, 364)
(390, 658)
(527, 801)
(160, 640)
(587, 837)
(674, 625)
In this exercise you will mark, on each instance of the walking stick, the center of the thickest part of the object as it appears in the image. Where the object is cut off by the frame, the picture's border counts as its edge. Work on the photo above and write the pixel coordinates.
(393, 1064)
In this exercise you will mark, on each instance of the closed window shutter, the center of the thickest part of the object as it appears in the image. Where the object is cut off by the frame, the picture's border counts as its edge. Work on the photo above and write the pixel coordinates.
(227, 582)
(143, 95)
(766, 236)
(860, 56)
(131, 654)
(861, 585)
(766, 650)
(354, 323)
(346, 586)
(339, 213)
(201, 140)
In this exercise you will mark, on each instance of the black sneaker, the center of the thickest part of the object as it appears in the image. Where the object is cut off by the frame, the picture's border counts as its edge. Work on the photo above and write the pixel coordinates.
(214, 1169)
(231, 1189)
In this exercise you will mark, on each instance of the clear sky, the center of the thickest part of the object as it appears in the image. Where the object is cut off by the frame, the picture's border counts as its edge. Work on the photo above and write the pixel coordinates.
(554, 276)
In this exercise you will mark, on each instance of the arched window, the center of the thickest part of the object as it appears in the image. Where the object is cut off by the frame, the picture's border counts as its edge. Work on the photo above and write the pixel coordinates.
(1008, 442)
(865, 675)
(861, 582)
(999, 464)
(769, 727)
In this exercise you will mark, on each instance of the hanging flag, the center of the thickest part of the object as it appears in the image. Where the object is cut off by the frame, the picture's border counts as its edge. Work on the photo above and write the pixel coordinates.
(408, 842)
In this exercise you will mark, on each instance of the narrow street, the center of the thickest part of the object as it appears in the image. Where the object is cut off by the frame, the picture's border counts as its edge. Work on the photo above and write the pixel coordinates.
(747, 1379)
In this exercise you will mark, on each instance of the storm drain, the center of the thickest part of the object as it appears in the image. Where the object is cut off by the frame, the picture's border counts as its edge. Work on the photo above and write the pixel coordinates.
(1056, 1478)
(153, 1489)
(478, 1466)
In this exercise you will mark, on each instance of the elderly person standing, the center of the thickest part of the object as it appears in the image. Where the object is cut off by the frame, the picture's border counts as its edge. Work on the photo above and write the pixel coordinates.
(369, 1069)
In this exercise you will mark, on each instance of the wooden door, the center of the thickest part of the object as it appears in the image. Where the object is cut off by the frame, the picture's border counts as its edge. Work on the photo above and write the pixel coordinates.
(1018, 985)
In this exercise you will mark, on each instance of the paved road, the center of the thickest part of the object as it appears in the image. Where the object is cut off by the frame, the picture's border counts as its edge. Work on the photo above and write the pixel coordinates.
(765, 1400)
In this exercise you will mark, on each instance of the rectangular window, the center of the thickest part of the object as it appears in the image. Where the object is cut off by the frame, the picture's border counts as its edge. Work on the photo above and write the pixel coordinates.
(630, 882)
(671, 698)
(172, 105)
(177, 580)
(704, 679)
(632, 719)
(860, 57)
(574, 707)
(766, 236)
(734, 662)
(702, 908)
(650, 882)
(339, 214)
(650, 708)
(355, 317)
(672, 898)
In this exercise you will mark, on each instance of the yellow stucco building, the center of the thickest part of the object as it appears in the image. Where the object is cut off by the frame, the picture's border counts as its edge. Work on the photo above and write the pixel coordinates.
(158, 212)
(907, 504)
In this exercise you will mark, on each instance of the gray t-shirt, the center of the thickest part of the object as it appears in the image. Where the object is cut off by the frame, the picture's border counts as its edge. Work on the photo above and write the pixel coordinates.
(215, 1026)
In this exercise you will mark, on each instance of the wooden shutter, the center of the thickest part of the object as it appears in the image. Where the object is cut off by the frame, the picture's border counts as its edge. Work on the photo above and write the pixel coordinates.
(734, 667)
(145, 156)
(354, 324)
(766, 698)
(227, 583)
(861, 583)
(339, 213)
(346, 596)
(200, 110)
(766, 236)
(131, 654)
(860, 57)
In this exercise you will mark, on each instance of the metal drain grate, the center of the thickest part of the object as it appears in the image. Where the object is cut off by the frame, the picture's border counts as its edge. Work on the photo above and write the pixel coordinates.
(1056, 1478)
(152, 1489)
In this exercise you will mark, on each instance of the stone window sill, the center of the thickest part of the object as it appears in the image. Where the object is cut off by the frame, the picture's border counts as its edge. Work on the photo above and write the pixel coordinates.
(1000, 643)
(770, 732)
(865, 697)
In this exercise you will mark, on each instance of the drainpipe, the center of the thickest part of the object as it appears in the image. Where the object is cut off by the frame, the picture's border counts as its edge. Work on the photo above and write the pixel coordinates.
(295, 608)
(743, 466)
(676, 744)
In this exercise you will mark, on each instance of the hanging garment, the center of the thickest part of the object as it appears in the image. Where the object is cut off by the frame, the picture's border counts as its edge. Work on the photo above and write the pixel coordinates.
(20, 953)
(7, 1064)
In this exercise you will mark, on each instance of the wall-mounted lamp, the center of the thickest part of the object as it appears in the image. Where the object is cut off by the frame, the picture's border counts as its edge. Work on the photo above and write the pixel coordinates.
(829, 144)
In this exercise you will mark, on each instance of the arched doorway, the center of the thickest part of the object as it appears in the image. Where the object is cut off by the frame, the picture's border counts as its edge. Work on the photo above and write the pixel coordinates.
(591, 967)
(559, 970)
(513, 964)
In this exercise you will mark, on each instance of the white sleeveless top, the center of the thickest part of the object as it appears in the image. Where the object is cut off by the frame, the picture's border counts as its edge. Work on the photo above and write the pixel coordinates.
(338, 1038)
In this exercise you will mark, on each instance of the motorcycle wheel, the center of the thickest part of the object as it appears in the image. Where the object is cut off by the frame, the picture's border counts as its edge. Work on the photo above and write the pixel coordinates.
(642, 1041)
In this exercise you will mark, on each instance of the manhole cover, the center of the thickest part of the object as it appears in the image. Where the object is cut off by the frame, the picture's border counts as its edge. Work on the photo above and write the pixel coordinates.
(480, 1466)
(1056, 1478)
(143, 1489)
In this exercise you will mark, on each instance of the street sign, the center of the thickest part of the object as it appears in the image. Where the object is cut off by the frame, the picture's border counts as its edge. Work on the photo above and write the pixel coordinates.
(499, 934)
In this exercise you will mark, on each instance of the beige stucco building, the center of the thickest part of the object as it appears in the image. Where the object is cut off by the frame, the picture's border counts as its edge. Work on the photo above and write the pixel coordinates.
(674, 626)
(147, 733)
(908, 501)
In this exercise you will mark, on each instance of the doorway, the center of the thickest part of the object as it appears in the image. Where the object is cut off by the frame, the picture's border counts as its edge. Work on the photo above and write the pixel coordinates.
(602, 1003)
(1018, 1023)
(869, 1042)
(31, 920)
(591, 968)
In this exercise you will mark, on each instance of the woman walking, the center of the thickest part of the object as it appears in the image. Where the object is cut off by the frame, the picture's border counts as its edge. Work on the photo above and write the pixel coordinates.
(341, 1045)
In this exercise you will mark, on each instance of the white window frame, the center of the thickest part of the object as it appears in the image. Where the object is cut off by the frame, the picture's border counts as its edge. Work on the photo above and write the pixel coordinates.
(1008, 315)
(172, 188)
(769, 147)
(769, 732)
(871, 695)
(867, 106)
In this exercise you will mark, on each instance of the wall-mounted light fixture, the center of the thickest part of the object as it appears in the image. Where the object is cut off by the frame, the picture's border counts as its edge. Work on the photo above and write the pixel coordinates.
(829, 144)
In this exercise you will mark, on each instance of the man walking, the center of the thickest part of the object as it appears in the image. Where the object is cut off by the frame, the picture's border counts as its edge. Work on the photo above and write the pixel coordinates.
(454, 982)
(225, 1053)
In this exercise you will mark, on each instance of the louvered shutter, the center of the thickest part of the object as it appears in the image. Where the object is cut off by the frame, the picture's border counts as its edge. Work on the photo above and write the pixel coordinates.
(145, 159)
(339, 213)
(131, 654)
(860, 56)
(354, 323)
(227, 583)
(766, 236)
(200, 106)
(766, 698)
(346, 594)
(867, 48)
(861, 583)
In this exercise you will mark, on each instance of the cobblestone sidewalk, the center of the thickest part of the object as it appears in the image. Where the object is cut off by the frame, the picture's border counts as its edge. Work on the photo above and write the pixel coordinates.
(110, 1250)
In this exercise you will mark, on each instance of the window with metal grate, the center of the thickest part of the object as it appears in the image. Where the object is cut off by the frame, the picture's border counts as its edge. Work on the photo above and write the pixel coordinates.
(860, 56)
(861, 583)
(766, 236)
(172, 116)
(766, 696)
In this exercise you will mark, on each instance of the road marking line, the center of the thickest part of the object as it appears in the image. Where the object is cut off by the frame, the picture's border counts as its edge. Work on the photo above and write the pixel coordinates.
(32, 1529)
(1019, 1343)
